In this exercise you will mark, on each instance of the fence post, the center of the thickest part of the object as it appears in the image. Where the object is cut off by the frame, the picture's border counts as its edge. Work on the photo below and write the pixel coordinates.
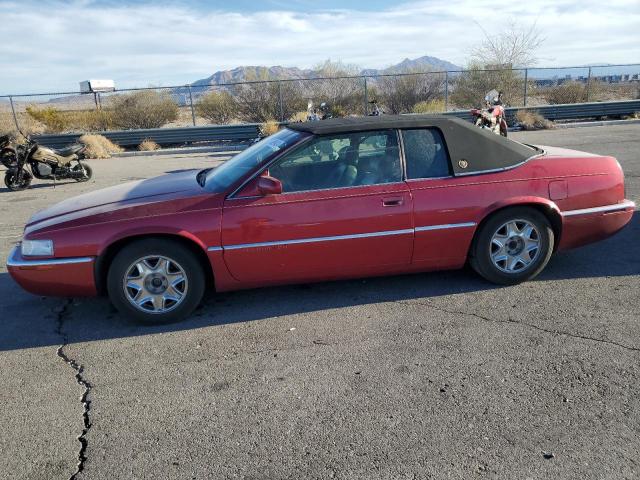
(588, 83)
(280, 101)
(526, 83)
(13, 111)
(366, 97)
(446, 91)
(193, 113)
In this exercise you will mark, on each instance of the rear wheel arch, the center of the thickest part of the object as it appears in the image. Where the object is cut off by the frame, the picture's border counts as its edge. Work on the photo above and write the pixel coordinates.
(552, 215)
(107, 255)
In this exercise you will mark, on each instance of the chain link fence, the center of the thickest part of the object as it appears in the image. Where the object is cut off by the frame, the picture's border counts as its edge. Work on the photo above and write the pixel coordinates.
(282, 100)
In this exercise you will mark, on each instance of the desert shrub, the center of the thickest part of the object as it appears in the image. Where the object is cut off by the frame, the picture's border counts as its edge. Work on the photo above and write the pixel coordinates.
(399, 94)
(470, 87)
(142, 109)
(260, 102)
(148, 145)
(429, 106)
(577, 92)
(56, 121)
(567, 92)
(269, 128)
(51, 117)
(99, 146)
(298, 117)
(532, 120)
(217, 107)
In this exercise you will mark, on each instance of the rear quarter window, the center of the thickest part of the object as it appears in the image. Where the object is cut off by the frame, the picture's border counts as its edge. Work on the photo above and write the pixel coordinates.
(425, 153)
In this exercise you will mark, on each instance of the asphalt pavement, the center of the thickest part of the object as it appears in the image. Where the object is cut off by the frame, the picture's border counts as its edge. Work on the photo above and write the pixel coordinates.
(437, 375)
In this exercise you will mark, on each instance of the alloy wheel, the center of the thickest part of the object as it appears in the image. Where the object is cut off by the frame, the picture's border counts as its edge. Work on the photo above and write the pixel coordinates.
(155, 284)
(515, 246)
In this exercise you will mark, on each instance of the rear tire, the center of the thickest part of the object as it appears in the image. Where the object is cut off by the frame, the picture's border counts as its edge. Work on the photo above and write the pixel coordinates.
(512, 246)
(88, 173)
(155, 281)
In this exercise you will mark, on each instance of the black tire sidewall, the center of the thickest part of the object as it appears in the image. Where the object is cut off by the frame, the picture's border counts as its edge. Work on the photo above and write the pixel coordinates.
(162, 247)
(88, 171)
(26, 181)
(481, 257)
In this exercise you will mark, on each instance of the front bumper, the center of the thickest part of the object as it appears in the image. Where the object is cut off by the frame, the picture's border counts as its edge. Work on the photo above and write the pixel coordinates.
(581, 227)
(57, 277)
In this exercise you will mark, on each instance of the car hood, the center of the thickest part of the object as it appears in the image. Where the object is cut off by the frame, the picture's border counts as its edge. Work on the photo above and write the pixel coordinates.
(172, 185)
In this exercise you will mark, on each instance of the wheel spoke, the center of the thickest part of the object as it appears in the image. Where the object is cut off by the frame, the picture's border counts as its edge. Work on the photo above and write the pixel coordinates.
(162, 266)
(158, 302)
(135, 283)
(512, 263)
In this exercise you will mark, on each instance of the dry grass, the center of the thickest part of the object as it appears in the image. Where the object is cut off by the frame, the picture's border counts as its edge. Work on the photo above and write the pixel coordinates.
(429, 106)
(148, 145)
(99, 146)
(298, 117)
(28, 125)
(269, 128)
(532, 120)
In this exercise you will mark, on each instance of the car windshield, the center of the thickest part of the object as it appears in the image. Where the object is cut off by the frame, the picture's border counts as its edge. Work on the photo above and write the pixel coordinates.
(231, 171)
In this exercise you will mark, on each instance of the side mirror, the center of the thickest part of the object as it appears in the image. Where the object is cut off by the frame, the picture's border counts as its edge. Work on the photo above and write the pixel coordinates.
(269, 186)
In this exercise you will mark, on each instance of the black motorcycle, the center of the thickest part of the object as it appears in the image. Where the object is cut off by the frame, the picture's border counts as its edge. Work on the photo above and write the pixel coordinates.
(29, 160)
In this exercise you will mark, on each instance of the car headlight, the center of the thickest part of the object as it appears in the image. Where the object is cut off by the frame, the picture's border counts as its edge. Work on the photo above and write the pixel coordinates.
(37, 248)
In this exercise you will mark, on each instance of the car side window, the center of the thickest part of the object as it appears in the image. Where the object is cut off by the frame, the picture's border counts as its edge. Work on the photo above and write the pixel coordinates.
(341, 160)
(425, 153)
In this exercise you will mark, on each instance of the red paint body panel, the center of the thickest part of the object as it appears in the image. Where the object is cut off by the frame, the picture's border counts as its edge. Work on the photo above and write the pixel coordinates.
(72, 280)
(584, 229)
(418, 211)
(323, 213)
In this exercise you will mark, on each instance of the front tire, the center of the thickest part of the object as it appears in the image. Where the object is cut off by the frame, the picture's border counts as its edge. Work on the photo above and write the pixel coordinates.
(14, 184)
(513, 246)
(155, 281)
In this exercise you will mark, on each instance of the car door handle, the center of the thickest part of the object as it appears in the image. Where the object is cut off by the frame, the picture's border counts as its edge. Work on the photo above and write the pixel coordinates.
(392, 202)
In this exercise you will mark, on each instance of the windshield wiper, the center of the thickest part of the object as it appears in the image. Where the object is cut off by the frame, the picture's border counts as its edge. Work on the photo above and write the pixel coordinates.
(201, 177)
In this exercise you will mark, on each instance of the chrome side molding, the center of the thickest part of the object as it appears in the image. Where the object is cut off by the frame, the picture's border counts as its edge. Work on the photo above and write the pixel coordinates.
(603, 209)
(407, 231)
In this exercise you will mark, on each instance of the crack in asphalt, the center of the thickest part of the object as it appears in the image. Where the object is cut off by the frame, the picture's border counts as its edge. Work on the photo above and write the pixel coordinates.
(530, 325)
(62, 313)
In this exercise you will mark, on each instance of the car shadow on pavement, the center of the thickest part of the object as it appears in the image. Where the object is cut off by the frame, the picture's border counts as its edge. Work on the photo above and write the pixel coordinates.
(29, 321)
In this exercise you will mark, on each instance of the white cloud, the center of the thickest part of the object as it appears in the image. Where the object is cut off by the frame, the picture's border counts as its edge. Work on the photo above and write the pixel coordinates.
(52, 45)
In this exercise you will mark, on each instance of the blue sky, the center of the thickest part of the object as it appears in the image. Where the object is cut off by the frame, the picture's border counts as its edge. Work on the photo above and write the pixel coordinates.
(51, 45)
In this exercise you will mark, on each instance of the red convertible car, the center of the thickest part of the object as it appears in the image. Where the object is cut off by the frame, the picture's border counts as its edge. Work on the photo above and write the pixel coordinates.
(321, 201)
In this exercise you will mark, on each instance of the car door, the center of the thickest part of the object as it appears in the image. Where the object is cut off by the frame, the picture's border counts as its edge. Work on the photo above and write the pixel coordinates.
(444, 206)
(344, 211)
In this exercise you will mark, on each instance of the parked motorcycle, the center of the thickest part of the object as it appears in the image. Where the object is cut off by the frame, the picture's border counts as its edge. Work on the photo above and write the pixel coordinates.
(376, 111)
(32, 160)
(492, 117)
(316, 114)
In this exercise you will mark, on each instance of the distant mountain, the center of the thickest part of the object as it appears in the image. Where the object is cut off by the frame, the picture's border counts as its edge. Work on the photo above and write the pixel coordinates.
(242, 74)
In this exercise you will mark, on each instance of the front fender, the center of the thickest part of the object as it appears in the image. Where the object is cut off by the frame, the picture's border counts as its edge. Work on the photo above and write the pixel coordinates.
(148, 230)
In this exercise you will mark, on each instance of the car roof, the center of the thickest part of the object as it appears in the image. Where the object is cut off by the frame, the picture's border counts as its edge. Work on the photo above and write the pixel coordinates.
(355, 124)
(471, 149)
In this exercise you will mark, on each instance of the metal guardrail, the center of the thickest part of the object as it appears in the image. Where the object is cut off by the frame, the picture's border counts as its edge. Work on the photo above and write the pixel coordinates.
(162, 136)
(246, 132)
(567, 111)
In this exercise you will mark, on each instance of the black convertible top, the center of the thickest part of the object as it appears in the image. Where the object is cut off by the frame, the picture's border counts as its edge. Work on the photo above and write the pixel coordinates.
(472, 149)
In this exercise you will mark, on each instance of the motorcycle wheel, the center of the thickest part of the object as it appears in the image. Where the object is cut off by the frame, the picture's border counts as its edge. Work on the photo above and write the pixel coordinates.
(15, 185)
(88, 173)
